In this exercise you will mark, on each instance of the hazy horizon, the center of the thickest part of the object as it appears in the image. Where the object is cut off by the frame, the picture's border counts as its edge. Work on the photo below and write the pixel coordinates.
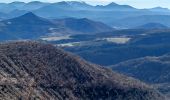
(134, 3)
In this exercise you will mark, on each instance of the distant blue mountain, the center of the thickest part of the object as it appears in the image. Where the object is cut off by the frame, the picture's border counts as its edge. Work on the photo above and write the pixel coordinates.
(114, 6)
(152, 26)
(136, 21)
(113, 14)
(5, 8)
(16, 13)
(17, 4)
(25, 27)
(105, 14)
(80, 5)
(160, 9)
(83, 25)
(33, 5)
(31, 26)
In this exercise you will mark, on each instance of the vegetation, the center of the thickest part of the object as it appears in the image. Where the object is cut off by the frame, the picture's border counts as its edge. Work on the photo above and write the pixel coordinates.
(31, 70)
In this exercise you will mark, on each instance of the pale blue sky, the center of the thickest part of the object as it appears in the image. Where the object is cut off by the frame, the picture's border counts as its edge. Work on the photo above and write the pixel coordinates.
(135, 3)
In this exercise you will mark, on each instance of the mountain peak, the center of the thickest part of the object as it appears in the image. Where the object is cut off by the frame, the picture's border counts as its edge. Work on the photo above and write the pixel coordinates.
(31, 19)
(117, 6)
(29, 15)
(112, 4)
(27, 26)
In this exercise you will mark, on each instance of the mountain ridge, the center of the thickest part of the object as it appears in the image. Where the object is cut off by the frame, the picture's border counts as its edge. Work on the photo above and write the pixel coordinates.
(111, 14)
(43, 71)
(152, 26)
(31, 26)
(152, 70)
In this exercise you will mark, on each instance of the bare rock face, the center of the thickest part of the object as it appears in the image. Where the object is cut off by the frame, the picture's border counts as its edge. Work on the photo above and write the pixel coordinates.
(31, 70)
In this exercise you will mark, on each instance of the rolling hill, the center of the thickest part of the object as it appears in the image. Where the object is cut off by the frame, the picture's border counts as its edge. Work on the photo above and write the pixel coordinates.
(148, 69)
(152, 70)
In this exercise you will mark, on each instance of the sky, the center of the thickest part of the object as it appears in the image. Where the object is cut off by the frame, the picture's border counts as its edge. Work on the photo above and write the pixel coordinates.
(134, 3)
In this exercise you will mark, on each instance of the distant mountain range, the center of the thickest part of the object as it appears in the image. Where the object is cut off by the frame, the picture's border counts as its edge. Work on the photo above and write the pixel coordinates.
(113, 14)
(136, 21)
(114, 6)
(152, 26)
(30, 26)
(34, 70)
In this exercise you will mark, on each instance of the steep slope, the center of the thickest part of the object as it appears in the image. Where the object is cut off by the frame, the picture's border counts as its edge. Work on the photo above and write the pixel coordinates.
(41, 71)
